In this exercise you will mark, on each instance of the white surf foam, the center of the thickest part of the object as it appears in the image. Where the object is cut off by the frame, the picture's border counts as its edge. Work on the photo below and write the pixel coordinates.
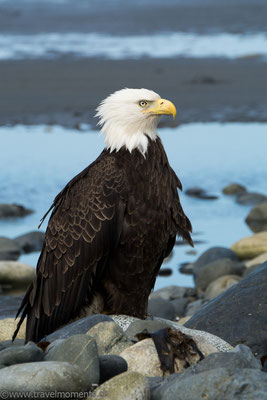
(51, 45)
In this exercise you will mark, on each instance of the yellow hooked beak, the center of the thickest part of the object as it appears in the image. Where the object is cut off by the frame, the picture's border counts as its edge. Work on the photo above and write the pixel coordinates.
(162, 107)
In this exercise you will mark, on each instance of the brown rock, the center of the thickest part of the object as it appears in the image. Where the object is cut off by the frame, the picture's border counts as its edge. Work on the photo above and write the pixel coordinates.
(252, 246)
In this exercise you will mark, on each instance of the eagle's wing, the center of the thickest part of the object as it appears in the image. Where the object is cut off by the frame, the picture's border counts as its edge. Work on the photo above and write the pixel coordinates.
(84, 226)
(182, 222)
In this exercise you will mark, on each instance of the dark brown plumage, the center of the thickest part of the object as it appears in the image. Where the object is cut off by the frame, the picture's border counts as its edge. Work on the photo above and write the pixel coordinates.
(110, 229)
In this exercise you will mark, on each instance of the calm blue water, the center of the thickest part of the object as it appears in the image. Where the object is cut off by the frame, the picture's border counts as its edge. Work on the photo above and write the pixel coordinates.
(34, 168)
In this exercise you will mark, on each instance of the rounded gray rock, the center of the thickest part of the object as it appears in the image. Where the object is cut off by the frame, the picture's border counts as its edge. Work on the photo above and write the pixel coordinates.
(219, 384)
(173, 292)
(213, 254)
(161, 308)
(20, 354)
(251, 198)
(240, 357)
(126, 386)
(257, 218)
(239, 315)
(110, 366)
(9, 249)
(13, 210)
(32, 241)
(234, 188)
(199, 193)
(43, 376)
(80, 350)
(16, 274)
(8, 343)
(207, 273)
(180, 306)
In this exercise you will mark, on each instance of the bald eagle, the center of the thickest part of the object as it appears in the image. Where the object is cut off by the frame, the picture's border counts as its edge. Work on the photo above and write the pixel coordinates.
(111, 225)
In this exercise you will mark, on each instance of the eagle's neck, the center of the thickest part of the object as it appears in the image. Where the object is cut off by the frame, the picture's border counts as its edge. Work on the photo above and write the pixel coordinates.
(130, 136)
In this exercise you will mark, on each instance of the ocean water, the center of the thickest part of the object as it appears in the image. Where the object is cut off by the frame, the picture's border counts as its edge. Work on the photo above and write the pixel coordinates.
(162, 45)
(35, 166)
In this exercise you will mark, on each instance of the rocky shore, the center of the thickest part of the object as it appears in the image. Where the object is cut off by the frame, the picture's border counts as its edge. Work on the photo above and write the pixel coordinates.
(206, 341)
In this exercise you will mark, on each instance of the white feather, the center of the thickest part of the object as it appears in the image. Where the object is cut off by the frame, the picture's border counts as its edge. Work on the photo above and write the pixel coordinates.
(123, 122)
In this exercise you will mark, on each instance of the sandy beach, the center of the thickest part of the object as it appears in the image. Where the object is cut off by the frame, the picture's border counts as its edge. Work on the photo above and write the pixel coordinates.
(67, 91)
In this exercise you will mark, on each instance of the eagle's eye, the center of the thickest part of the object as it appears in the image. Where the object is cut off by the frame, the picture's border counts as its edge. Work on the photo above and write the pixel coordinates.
(142, 103)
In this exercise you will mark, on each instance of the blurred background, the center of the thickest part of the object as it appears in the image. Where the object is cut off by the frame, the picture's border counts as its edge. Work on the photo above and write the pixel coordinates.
(60, 58)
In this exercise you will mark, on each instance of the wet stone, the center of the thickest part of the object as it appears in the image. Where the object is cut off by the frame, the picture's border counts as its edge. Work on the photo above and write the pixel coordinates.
(13, 210)
(161, 308)
(246, 383)
(244, 302)
(257, 218)
(200, 194)
(80, 350)
(187, 268)
(20, 354)
(9, 249)
(180, 306)
(110, 366)
(206, 274)
(251, 198)
(32, 241)
(213, 254)
(234, 189)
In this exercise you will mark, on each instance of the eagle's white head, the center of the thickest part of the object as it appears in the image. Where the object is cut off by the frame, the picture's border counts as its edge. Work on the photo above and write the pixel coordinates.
(128, 116)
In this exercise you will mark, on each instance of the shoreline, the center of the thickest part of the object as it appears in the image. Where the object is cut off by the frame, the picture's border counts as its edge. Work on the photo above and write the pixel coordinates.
(66, 91)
